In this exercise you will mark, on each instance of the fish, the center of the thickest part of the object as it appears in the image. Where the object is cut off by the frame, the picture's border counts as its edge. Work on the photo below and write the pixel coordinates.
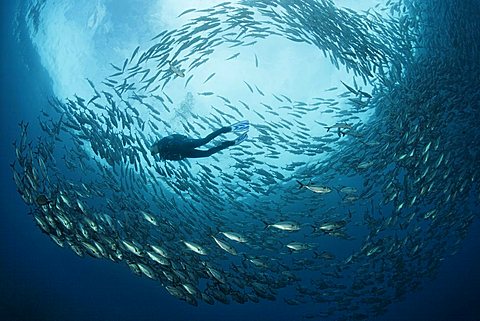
(259, 91)
(195, 248)
(188, 80)
(353, 91)
(209, 77)
(224, 246)
(234, 237)
(149, 218)
(132, 248)
(249, 87)
(233, 56)
(339, 126)
(348, 190)
(177, 71)
(284, 225)
(158, 258)
(365, 164)
(297, 246)
(134, 53)
(315, 188)
(159, 250)
(185, 12)
(146, 270)
(331, 226)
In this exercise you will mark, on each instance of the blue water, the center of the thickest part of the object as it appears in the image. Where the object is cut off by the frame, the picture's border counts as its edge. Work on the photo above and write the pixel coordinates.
(41, 281)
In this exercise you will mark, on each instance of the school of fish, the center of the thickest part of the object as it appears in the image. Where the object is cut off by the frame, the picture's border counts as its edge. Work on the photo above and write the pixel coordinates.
(367, 213)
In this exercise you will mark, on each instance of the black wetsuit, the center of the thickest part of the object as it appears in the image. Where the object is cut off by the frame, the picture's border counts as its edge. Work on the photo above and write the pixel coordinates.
(178, 147)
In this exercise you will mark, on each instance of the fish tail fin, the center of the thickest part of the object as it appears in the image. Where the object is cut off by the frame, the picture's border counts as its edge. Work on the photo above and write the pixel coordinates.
(266, 224)
(301, 184)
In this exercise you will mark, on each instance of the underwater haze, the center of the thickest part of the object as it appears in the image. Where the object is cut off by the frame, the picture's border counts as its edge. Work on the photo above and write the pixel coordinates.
(339, 177)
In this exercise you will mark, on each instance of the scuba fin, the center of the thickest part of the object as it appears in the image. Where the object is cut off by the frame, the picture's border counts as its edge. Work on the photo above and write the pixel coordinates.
(240, 138)
(241, 126)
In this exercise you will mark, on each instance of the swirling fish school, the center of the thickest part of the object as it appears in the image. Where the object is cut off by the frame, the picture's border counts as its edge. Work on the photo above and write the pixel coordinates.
(404, 178)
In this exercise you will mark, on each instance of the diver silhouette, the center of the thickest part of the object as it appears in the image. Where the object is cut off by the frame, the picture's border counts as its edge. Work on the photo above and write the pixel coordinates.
(178, 147)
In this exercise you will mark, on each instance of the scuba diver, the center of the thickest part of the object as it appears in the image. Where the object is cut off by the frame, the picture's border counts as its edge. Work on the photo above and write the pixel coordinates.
(178, 147)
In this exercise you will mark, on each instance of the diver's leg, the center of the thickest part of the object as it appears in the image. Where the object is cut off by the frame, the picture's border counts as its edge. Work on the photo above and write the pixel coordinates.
(196, 153)
(194, 143)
